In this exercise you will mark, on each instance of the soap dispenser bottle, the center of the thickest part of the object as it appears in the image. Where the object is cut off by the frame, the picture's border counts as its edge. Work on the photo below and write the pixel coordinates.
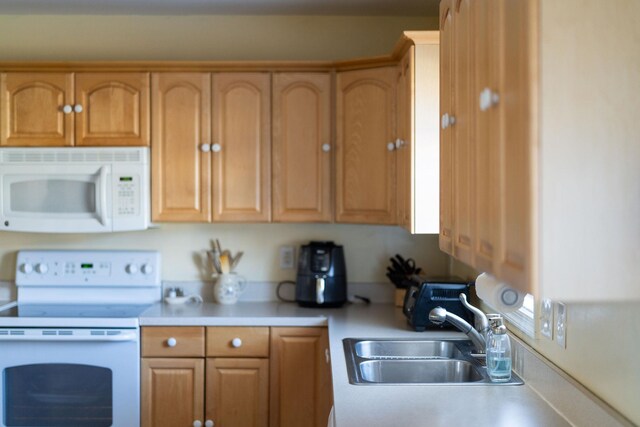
(498, 352)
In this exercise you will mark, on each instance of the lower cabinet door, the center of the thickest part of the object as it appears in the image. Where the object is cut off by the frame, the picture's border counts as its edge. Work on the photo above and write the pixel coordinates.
(172, 392)
(300, 377)
(238, 392)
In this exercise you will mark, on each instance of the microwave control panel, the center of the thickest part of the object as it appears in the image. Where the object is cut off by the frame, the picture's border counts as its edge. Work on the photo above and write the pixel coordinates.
(127, 200)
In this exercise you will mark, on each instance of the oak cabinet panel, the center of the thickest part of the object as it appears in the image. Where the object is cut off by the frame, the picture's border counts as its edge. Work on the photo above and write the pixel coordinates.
(242, 147)
(365, 158)
(181, 170)
(115, 109)
(31, 108)
(300, 377)
(172, 392)
(302, 148)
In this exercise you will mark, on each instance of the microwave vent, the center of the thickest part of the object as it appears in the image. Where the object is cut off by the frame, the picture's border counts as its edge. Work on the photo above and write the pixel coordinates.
(71, 155)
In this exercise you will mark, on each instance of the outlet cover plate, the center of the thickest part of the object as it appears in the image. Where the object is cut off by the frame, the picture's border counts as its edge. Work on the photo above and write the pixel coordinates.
(561, 324)
(287, 258)
(546, 318)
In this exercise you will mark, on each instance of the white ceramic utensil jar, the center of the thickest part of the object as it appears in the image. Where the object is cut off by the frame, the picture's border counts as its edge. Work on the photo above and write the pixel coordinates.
(228, 288)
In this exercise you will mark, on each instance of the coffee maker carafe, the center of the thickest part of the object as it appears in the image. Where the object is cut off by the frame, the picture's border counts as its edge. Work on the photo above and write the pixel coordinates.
(322, 275)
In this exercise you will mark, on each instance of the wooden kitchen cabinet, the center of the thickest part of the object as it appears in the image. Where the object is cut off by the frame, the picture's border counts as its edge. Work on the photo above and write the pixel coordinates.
(241, 147)
(300, 377)
(115, 109)
(181, 169)
(365, 157)
(302, 149)
(31, 108)
(487, 88)
(417, 144)
(172, 392)
(83, 109)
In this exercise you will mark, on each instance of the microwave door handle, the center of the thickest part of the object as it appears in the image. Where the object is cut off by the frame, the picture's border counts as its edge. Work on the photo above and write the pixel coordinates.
(102, 212)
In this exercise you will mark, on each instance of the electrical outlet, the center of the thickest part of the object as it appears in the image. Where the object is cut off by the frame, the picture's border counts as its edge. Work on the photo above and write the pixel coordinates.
(287, 258)
(561, 325)
(546, 318)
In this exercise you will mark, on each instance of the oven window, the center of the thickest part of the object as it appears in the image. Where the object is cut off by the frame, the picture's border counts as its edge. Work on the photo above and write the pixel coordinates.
(57, 394)
(54, 196)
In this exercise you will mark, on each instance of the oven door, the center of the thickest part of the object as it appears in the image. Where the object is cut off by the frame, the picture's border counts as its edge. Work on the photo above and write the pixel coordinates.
(70, 378)
(56, 199)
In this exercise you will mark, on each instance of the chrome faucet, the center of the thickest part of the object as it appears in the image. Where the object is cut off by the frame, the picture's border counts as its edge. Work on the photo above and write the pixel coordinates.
(477, 335)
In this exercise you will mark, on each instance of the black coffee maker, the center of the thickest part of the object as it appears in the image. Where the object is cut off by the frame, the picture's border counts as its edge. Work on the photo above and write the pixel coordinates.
(322, 275)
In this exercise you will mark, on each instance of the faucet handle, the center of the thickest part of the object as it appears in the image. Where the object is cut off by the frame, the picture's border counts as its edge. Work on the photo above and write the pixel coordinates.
(480, 320)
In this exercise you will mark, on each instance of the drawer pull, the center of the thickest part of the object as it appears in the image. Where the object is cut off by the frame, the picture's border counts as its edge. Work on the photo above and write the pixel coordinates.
(172, 342)
(197, 423)
(236, 342)
(208, 423)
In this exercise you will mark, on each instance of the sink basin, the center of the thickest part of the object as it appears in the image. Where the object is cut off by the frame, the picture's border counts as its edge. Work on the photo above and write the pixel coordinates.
(419, 371)
(398, 349)
(415, 362)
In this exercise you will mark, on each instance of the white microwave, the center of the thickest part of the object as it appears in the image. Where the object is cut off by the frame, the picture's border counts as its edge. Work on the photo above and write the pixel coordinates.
(74, 190)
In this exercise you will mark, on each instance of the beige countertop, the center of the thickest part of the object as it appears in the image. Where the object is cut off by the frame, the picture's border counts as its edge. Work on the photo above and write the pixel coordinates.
(376, 405)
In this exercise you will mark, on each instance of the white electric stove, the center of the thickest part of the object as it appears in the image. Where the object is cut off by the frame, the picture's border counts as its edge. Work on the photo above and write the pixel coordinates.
(70, 343)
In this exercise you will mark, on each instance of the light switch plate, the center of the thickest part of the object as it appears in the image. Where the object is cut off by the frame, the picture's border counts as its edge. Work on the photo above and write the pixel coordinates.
(287, 258)
(561, 324)
(546, 318)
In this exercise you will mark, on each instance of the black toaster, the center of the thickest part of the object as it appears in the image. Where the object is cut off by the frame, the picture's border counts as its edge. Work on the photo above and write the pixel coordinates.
(426, 294)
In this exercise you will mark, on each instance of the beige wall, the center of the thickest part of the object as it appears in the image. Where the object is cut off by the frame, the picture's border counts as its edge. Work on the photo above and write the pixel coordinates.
(602, 348)
(206, 37)
(367, 248)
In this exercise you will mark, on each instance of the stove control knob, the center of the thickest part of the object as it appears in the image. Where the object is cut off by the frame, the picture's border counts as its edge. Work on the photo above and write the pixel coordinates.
(146, 269)
(42, 268)
(26, 268)
(131, 269)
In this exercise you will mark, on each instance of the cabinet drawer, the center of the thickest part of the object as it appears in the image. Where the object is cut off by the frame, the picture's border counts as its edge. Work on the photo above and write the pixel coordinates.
(172, 341)
(237, 342)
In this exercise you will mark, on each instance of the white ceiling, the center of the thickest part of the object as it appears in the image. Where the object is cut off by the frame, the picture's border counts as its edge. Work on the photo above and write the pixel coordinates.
(222, 7)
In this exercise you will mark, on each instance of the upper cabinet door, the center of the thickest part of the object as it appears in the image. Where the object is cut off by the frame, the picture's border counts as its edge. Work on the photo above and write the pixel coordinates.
(32, 109)
(302, 148)
(112, 109)
(446, 128)
(365, 158)
(463, 131)
(181, 162)
(404, 141)
(241, 147)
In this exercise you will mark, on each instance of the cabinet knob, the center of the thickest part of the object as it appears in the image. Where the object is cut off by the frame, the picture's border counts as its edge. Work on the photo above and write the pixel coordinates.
(197, 423)
(216, 148)
(67, 109)
(488, 99)
(78, 108)
(236, 342)
(205, 148)
(326, 148)
(327, 355)
(444, 122)
(400, 143)
(172, 342)
(209, 423)
(391, 146)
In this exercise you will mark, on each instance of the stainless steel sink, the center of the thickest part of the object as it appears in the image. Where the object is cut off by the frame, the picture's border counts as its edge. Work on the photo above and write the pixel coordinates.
(419, 371)
(398, 349)
(413, 362)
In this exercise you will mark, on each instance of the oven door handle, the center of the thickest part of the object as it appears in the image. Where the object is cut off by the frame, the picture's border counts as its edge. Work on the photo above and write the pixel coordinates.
(121, 337)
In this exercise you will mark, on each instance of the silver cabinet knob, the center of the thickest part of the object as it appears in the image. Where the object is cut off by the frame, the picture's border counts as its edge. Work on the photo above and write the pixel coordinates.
(444, 122)
(400, 143)
(326, 148)
(391, 146)
(205, 148)
(197, 423)
(236, 342)
(172, 342)
(78, 108)
(67, 109)
(216, 148)
(208, 423)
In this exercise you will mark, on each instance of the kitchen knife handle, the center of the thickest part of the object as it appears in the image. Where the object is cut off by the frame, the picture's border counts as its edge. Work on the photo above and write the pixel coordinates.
(320, 290)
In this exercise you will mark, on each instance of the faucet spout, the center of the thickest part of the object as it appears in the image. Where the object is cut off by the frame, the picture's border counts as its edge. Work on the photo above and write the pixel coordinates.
(480, 319)
(439, 315)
